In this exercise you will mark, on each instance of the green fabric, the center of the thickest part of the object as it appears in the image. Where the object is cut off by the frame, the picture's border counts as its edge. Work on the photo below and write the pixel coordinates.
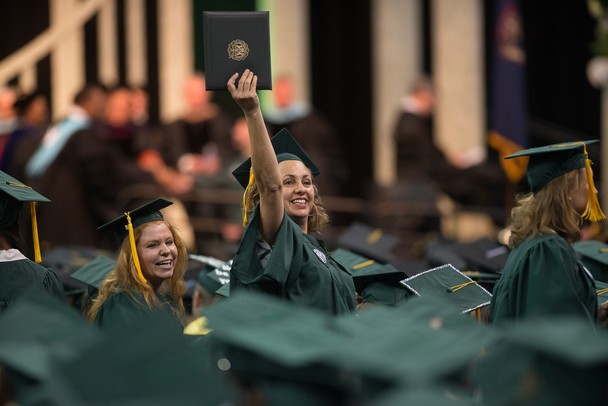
(298, 269)
(121, 310)
(542, 277)
(12, 195)
(594, 255)
(382, 293)
(16, 277)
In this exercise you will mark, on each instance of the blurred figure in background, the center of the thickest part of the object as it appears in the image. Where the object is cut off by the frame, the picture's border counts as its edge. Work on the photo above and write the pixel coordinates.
(313, 132)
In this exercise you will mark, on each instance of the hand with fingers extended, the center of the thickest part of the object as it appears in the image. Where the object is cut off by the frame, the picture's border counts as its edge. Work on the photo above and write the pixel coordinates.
(245, 94)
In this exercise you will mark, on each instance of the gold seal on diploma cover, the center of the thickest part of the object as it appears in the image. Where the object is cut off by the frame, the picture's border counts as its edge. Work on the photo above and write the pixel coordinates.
(238, 50)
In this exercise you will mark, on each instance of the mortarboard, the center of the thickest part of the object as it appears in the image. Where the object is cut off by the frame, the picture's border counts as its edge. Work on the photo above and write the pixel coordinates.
(213, 280)
(602, 292)
(377, 283)
(448, 282)
(558, 360)
(235, 41)
(594, 255)
(551, 161)
(224, 290)
(370, 242)
(12, 195)
(95, 271)
(123, 226)
(286, 148)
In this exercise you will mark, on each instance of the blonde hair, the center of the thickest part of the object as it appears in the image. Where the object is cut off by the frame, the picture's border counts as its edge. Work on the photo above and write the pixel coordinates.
(549, 210)
(124, 277)
(317, 219)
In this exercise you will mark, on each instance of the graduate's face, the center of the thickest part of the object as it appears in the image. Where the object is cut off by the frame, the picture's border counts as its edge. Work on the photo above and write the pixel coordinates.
(157, 253)
(298, 190)
(581, 193)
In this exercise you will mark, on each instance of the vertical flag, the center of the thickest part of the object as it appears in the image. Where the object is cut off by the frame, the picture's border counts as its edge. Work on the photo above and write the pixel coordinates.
(508, 88)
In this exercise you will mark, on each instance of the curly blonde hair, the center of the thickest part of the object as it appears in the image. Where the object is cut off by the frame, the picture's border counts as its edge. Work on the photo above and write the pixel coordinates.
(549, 210)
(317, 219)
(124, 277)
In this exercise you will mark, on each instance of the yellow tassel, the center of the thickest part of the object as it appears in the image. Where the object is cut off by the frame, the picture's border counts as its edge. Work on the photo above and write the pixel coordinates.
(593, 212)
(245, 218)
(134, 248)
(37, 255)
(460, 286)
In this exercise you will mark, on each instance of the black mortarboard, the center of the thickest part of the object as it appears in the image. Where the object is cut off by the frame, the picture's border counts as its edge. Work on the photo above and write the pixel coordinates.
(286, 148)
(594, 255)
(448, 282)
(95, 271)
(374, 243)
(12, 195)
(551, 161)
(235, 41)
(124, 225)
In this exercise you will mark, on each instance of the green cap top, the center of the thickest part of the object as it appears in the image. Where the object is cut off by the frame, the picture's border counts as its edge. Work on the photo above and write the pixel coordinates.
(213, 280)
(366, 271)
(448, 282)
(551, 161)
(12, 194)
(95, 271)
(144, 214)
(286, 148)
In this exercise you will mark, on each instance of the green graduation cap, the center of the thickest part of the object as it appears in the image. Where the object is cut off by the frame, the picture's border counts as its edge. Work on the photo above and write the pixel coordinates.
(594, 255)
(448, 282)
(376, 283)
(95, 271)
(371, 242)
(551, 161)
(602, 292)
(287, 148)
(212, 280)
(123, 226)
(224, 290)
(12, 195)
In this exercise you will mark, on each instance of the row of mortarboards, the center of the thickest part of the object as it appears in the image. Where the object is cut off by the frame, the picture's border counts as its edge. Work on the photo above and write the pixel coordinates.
(422, 345)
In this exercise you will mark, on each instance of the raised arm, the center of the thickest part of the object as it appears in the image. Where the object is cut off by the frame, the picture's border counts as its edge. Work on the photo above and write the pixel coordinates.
(264, 161)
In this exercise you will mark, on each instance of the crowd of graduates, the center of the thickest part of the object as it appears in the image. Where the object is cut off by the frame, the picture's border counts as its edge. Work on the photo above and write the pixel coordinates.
(287, 319)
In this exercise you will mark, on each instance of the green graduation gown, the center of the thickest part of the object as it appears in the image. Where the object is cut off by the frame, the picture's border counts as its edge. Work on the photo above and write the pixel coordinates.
(298, 269)
(122, 309)
(18, 274)
(543, 277)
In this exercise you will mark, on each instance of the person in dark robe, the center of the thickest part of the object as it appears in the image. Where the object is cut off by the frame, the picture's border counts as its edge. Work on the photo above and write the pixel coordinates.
(149, 273)
(18, 273)
(282, 207)
(312, 130)
(84, 175)
(543, 275)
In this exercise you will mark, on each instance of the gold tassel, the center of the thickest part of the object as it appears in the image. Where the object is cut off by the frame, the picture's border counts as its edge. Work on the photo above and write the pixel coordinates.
(593, 212)
(245, 218)
(129, 227)
(37, 255)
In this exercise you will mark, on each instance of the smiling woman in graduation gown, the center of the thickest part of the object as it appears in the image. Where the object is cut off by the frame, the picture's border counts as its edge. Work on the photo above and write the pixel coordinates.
(149, 270)
(277, 254)
(543, 276)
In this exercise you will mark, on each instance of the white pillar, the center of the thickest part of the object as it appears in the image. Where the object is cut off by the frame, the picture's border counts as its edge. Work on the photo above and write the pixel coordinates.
(108, 44)
(397, 62)
(458, 71)
(67, 59)
(175, 59)
(136, 42)
(289, 42)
